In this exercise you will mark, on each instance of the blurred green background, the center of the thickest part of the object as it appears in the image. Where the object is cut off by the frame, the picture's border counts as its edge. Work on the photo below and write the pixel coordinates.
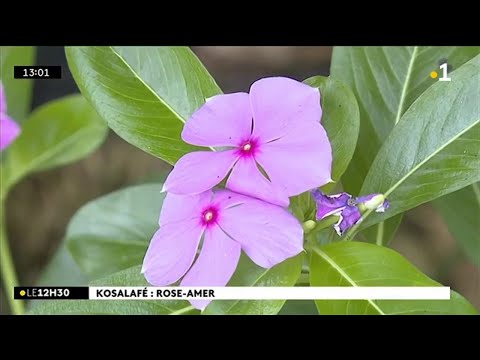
(40, 207)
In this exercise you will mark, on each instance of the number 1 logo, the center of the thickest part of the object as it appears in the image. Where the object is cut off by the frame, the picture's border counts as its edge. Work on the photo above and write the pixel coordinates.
(445, 77)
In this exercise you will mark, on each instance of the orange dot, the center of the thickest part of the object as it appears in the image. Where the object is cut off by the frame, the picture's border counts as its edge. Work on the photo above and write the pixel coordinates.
(433, 74)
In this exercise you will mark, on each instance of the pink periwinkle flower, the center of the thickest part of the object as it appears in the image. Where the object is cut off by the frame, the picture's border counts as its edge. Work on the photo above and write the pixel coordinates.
(9, 129)
(229, 222)
(274, 130)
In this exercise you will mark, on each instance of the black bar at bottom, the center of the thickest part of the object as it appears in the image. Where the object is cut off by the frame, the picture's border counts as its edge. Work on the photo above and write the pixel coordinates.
(51, 293)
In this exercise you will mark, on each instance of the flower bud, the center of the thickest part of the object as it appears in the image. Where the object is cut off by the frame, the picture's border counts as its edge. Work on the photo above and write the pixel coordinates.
(308, 226)
(377, 202)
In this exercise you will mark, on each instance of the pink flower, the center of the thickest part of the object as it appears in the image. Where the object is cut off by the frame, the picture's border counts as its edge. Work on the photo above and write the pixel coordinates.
(275, 129)
(229, 222)
(9, 129)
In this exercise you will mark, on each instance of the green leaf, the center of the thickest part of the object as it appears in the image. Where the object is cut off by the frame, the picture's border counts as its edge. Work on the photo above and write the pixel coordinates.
(145, 94)
(57, 133)
(303, 206)
(299, 307)
(435, 147)
(112, 233)
(249, 274)
(386, 81)
(129, 277)
(18, 91)
(341, 119)
(461, 212)
(324, 235)
(62, 271)
(357, 264)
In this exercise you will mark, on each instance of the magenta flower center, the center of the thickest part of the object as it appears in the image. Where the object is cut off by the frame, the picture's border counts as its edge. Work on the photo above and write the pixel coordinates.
(248, 147)
(209, 216)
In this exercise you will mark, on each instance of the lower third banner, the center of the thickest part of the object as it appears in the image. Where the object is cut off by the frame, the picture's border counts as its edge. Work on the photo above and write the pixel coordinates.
(234, 293)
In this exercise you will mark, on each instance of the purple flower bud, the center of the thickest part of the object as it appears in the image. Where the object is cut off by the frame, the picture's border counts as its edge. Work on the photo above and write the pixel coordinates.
(348, 208)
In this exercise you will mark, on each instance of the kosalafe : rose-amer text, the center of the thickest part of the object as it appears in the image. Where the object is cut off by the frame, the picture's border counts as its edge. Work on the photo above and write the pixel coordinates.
(158, 293)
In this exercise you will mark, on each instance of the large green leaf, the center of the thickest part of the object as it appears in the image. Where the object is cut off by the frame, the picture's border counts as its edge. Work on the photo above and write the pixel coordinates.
(18, 91)
(57, 133)
(340, 118)
(361, 264)
(461, 212)
(129, 277)
(434, 149)
(299, 307)
(145, 94)
(249, 274)
(386, 81)
(62, 271)
(112, 233)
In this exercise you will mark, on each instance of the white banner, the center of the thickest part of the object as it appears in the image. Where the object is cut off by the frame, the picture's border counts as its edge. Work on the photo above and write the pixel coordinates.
(272, 293)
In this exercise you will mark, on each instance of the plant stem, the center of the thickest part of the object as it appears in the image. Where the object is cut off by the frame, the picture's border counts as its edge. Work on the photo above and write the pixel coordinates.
(8, 269)
(303, 280)
(321, 225)
(380, 230)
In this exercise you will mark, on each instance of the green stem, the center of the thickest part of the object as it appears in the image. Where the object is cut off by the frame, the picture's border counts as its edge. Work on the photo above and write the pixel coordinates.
(380, 230)
(6, 265)
(321, 225)
(303, 280)
(354, 229)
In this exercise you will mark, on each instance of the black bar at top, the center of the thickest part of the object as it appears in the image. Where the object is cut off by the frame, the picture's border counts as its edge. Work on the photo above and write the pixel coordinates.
(51, 293)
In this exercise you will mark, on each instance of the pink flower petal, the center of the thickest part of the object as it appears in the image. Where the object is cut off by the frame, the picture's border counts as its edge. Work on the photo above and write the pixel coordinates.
(280, 103)
(199, 171)
(9, 130)
(224, 120)
(300, 160)
(216, 264)
(171, 252)
(224, 199)
(247, 179)
(177, 208)
(267, 233)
